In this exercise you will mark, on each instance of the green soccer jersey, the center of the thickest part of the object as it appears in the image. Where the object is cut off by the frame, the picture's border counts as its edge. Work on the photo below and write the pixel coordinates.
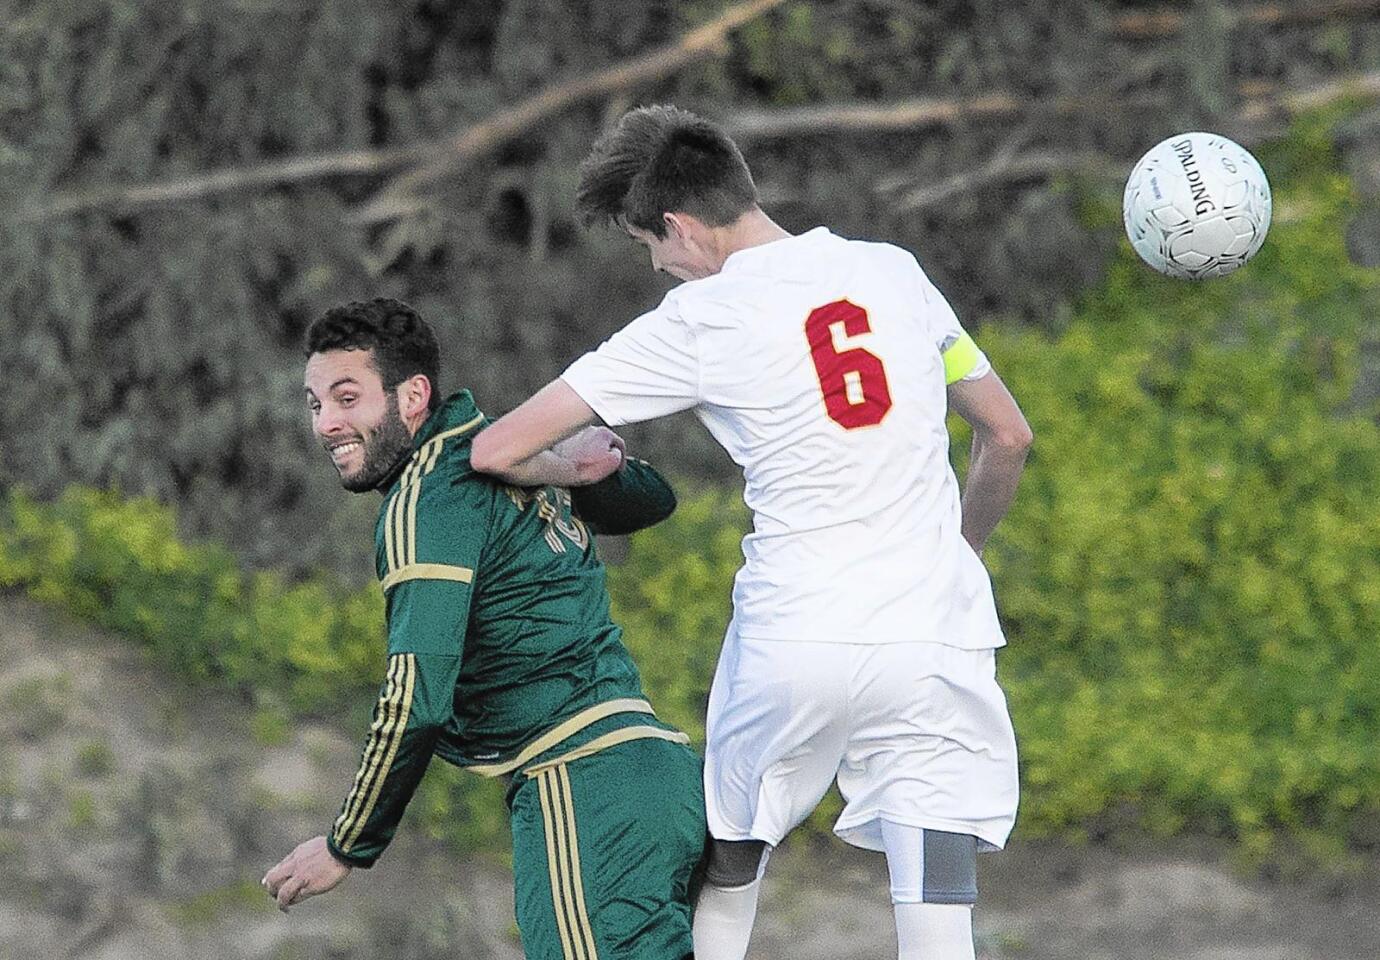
(501, 651)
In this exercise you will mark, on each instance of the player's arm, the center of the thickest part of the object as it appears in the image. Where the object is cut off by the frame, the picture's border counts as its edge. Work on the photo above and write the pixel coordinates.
(412, 709)
(632, 499)
(427, 578)
(648, 369)
(1001, 436)
(1001, 440)
(517, 447)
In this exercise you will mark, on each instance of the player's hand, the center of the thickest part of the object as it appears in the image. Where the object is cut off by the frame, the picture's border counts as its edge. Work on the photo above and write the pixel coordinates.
(305, 872)
(595, 452)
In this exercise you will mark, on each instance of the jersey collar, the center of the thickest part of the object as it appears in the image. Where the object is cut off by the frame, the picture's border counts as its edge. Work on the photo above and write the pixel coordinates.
(742, 258)
(458, 411)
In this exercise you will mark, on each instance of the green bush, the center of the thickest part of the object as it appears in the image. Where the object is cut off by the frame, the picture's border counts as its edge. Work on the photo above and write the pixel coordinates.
(119, 563)
(673, 598)
(1190, 576)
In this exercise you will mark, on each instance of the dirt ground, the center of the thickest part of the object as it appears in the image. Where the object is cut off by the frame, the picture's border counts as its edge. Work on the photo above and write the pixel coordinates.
(137, 814)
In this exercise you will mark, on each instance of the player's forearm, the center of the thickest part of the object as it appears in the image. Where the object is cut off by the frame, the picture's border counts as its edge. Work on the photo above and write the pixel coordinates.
(517, 447)
(368, 820)
(543, 469)
(408, 719)
(994, 472)
(363, 832)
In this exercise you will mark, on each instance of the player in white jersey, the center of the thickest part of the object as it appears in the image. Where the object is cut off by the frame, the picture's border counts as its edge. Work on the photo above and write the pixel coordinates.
(862, 646)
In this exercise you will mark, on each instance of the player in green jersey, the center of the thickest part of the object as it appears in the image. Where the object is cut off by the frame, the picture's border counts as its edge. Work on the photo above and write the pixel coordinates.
(502, 657)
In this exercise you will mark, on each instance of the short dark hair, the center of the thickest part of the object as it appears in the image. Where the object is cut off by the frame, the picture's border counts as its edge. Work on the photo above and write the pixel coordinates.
(402, 342)
(659, 160)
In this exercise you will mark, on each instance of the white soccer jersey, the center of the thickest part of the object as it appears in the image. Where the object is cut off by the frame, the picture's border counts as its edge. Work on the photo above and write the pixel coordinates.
(817, 363)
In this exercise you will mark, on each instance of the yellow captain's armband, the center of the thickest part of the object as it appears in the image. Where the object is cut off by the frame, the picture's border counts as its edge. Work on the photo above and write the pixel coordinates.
(960, 359)
(426, 571)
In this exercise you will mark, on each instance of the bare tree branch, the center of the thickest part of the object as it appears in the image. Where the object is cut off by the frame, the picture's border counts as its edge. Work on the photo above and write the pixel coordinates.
(1010, 147)
(452, 154)
(919, 113)
(294, 170)
(440, 157)
(1006, 169)
(1156, 26)
(1262, 99)
(1259, 99)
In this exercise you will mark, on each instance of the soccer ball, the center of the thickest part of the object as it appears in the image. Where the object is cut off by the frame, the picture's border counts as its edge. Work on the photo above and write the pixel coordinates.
(1196, 206)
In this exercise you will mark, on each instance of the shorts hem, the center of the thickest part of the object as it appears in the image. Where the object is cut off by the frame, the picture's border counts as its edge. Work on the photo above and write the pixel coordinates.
(769, 837)
(975, 647)
(771, 840)
(853, 833)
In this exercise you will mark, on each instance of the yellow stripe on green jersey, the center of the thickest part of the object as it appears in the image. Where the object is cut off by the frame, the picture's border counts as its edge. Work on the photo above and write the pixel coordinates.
(395, 740)
(426, 571)
(390, 721)
(400, 530)
(351, 804)
(563, 730)
(555, 861)
(563, 863)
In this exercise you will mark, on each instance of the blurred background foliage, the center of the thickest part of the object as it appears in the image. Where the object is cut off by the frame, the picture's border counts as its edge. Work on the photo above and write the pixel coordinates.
(152, 343)
(1189, 577)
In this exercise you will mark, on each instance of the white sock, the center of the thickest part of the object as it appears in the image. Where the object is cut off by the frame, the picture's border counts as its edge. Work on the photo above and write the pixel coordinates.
(931, 931)
(723, 921)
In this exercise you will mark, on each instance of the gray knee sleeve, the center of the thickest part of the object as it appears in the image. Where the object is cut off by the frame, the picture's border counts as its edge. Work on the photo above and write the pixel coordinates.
(930, 866)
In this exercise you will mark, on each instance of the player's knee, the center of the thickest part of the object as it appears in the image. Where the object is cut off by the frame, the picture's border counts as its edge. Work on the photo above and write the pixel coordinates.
(735, 863)
(931, 866)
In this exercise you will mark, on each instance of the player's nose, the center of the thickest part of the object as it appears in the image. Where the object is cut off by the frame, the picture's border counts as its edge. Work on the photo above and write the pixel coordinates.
(329, 423)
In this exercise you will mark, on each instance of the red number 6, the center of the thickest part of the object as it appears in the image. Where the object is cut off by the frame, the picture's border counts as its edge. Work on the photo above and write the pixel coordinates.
(853, 381)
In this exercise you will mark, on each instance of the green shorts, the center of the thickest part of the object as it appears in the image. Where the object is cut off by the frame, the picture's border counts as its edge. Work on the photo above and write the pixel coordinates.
(604, 847)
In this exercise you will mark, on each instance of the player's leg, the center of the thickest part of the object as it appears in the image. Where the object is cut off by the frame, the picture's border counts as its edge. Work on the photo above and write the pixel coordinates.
(774, 741)
(622, 833)
(929, 777)
(933, 889)
(541, 918)
(931, 745)
(727, 904)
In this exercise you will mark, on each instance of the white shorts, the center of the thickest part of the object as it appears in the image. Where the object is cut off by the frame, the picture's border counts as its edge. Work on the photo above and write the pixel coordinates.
(915, 733)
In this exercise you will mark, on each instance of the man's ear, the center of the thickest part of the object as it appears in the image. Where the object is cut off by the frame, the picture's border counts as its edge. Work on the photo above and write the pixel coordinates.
(414, 397)
(679, 225)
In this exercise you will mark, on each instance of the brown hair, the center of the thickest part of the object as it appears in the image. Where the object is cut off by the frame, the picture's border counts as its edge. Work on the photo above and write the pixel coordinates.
(659, 160)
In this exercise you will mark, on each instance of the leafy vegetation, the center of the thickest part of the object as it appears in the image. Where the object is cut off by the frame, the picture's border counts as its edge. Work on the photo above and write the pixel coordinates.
(154, 346)
(1189, 578)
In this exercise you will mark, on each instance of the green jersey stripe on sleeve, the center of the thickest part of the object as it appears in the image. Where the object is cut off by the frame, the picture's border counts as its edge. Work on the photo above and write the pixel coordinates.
(426, 571)
(372, 744)
(394, 707)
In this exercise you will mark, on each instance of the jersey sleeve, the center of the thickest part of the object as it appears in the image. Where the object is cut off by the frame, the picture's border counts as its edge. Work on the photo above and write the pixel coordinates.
(649, 369)
(632, 499)
(963, 360)
(433, 550)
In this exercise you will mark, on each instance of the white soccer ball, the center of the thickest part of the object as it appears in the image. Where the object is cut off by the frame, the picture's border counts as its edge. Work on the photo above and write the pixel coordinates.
(1197, 206)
